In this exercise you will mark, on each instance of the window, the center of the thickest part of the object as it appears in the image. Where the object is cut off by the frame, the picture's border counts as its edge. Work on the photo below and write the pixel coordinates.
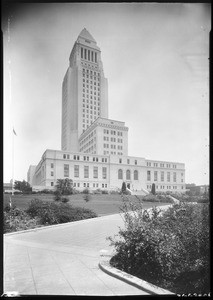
(85, 54)
(136, 162)
(52, 173)
(95, 172)
(155, 176)
(52, 165)
(128, 161)
(120, 160)
(127, 174)
(64, 155)
(148, 175)
(120, 174)
(66, 170)
(86, 172)
(76, 171)
(135, 175)
(81, 52)
(104, 172)
(52, 183)
(174, 177)
(162, 176)
(95, 57)
(168, 176)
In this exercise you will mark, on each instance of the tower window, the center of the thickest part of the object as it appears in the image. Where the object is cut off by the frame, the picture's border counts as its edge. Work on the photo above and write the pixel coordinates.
(95, 57)
(81, 52)
(85, 53)
(88, 54)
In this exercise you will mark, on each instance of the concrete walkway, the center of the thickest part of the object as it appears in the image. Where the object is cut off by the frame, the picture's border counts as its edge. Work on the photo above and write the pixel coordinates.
(63, 260)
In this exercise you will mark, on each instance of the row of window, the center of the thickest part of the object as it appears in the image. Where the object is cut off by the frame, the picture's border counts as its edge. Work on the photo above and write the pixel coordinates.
(88, 158)
(162, 165)
(87, 184)
(86, 171)
(128, 174)
(113, 132)
(128, 161)
(88, 55)
(161, 176)
(87, 65)
(91, 72)
(162, 187)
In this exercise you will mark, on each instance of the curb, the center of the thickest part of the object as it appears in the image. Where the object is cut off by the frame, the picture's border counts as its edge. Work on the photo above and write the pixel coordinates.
(105, 266)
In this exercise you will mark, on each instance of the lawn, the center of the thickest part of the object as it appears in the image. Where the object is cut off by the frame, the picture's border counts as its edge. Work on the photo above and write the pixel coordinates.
(102, 204)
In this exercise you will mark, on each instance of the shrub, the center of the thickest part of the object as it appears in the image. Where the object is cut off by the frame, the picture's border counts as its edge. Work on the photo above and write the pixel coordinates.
(65, 199)
(85, 191)
(46, 191)
(150, 198)
(57, 195)
(98, 191)
(87, 197)
(169, 249)
(16, 219)
(104, 192)
(54, 213)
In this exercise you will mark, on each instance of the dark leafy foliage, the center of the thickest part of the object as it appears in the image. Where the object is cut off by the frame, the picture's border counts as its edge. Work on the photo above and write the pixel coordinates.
(169, 249)
(16, 219)
(55, 213)
(22, 186)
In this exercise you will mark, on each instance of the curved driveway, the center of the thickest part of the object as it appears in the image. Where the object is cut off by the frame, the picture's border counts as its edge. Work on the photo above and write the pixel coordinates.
(63, 260)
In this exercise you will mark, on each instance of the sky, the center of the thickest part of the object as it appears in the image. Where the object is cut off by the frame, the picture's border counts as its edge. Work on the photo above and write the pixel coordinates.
(155, 57)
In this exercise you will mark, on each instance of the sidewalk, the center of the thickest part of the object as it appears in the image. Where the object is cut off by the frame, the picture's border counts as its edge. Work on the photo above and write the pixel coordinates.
(63, 260)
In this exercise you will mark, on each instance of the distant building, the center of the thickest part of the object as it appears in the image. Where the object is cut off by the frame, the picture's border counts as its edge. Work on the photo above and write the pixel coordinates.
(8, 187)
(30, 174)
(197, 190)
(94, 148)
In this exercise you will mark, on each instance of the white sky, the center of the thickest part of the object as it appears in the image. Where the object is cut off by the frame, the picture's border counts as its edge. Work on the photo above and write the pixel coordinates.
(155, 57)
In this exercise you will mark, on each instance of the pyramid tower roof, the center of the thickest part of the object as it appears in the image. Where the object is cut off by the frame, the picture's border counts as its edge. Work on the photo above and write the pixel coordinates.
(86, 35)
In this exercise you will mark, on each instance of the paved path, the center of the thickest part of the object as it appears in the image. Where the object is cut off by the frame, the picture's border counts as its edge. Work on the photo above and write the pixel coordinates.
(63, 260)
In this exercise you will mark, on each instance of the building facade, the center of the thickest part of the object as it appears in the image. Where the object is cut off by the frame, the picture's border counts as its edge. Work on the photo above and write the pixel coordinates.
(30, 174)
(84, 91)
(108, 172)
(94, 148)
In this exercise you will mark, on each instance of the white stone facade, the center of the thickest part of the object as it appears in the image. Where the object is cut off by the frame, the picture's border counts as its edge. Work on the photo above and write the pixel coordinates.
(107, 172)
(105, 136)
(94, 148)
(84, 91)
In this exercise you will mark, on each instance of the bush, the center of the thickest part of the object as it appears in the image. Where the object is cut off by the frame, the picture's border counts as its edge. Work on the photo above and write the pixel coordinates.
(104, 192)
(57, 195)
(85, 191)
(87, 197)
(169, 249)
(98, 191)
(150, 198)
(46, 191)
(16, 219)
(54, 213)
(65, 199)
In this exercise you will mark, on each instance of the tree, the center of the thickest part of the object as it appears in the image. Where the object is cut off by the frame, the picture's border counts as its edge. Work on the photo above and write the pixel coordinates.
(64, 186)
(123, 188)
(153, 189)
(22, 186)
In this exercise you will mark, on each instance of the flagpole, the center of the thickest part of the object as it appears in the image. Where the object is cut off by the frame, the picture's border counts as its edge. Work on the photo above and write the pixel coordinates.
(13, 164)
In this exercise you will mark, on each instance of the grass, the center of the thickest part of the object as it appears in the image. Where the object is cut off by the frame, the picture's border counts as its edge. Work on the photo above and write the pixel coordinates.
(101, 204)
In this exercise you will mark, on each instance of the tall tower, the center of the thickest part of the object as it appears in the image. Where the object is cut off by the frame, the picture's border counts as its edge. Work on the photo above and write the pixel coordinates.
(84, 91)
